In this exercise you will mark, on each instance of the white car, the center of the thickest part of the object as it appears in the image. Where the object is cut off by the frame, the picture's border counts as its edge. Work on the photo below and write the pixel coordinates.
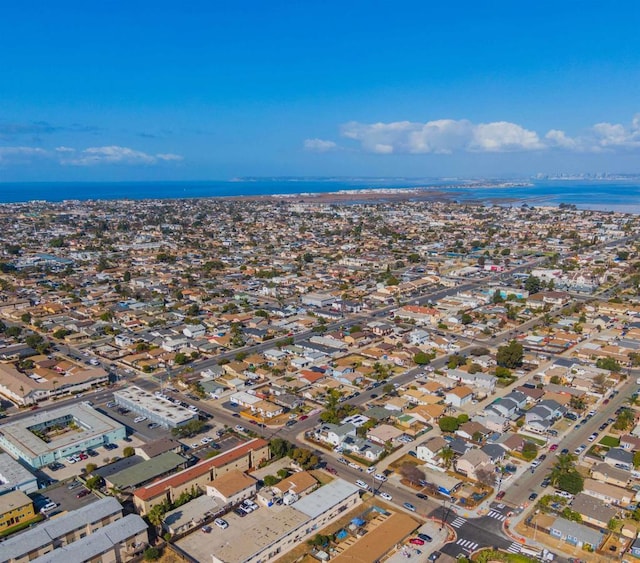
(71, 459)
(362, 485)
(371, 470)
(386, 496)
(140, 419)
(221, 523)
(380, 477)
(240, 428)
(592, 437)
(354, 465)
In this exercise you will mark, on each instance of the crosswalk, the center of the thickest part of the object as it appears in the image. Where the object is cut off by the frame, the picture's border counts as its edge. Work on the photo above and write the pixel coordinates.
(514, 548)
(468, 545)
(459, 521)
(497, 515)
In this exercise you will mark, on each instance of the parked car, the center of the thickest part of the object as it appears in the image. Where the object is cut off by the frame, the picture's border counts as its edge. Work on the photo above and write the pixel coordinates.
(409, 506)
(416, 541)
(221, 523)
(83, 493)
(386, 496)
(500, 495)
(533, 496)
(362, 485)
(422, 496)
(425, 537)
(592, 437)
(434, 556)
(206, 529)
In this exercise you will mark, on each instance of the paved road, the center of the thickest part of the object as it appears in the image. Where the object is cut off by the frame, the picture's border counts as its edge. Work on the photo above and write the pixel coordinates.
(518, 493)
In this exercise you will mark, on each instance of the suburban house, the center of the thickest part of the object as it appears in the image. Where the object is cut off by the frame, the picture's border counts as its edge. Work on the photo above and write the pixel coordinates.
(458, 396)
(619, 458)
(495, 452)
(608, 493)
(575, 534)
(610, 474)
(428, 451)
(594, 511)
(473, 462)
(472, 430)
(232, 487)
(334, 434)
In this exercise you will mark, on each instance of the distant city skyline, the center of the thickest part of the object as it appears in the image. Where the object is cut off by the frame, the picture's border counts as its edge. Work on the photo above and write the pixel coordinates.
(212, 91)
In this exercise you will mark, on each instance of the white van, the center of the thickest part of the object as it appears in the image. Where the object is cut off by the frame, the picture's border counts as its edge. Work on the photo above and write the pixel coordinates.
(48, 507)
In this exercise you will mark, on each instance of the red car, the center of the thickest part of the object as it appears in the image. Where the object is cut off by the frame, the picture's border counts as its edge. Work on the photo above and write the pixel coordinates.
(501, 494)
(553, 447)
(83, 493)
(303, 417)
(332, 470)
(416, 541)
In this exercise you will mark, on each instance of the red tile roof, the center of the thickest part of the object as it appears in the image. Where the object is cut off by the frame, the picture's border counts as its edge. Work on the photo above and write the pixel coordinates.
(158, 487)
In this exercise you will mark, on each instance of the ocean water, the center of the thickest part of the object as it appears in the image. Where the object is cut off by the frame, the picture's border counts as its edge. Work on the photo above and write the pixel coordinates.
(614, 195)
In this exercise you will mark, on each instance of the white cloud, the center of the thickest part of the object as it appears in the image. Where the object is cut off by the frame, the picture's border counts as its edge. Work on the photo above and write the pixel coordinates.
(502, 136)
(446, 136)
(114, 154)
(90, 156)
(19, 155)
(169, 157)
(557, 138)
(319, 145)
(442, 136)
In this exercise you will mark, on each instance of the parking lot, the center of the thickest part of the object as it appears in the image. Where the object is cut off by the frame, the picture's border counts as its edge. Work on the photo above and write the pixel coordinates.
(65, 497)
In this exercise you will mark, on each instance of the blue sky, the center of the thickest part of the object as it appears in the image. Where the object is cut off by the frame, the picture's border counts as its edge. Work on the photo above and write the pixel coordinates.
(220, 89)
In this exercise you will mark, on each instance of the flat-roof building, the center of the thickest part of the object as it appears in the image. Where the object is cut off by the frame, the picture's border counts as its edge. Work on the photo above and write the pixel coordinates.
(14, 477)
(157, 409)
(273, 530)
(65, 529)
(48, 436)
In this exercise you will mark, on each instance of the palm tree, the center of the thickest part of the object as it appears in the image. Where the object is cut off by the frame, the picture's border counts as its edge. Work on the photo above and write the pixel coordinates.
(565, 464)
(447, 455)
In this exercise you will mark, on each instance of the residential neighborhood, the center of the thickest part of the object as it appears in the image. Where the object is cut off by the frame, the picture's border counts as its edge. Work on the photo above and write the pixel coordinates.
(316, 371)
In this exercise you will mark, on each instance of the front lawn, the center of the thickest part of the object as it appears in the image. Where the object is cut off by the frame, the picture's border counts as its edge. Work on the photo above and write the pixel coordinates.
(611, 441)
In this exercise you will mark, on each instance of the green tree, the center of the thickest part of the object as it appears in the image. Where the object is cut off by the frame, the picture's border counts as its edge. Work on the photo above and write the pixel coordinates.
(180, 359)
(466, 319)
(448, 424)
(624, 420)
(270, 480)
(565, 463)
(128, 451)
(279, 447)
(447, 455)
(533, 284)
(152, 554)
(529, 451)
(90, 468)
(636, 458)
(26, 318)
(422, 358)
(608, 363)
(510, 356)
(571, 482)
(13, 331)
(93, 482)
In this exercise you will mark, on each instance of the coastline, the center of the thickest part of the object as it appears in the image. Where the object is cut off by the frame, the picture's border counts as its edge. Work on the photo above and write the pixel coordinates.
(604, 196)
